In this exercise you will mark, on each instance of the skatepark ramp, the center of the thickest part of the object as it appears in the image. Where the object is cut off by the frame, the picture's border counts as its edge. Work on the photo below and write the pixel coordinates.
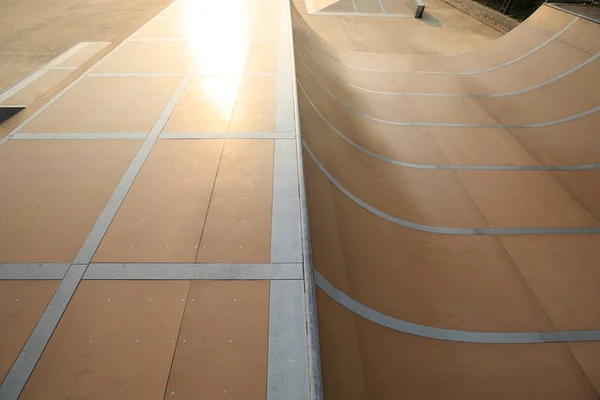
(454, 214)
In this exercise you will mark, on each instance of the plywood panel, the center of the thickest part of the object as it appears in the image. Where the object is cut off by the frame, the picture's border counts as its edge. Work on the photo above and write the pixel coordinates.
(563, 273)
(222, 347)
(52, 192)
(255, 105)
(269, 10)
(107, 104)
(21, 305)
(430, 197)
(397, 365)
(238, 226)
(585, 186)
(206, 106)
(148, 57)
(525, 198)
(412, 144)
(343, 374)
(266, 29)
(449, 281)
(164, 29)
(446, 110)
(262, 58)
(164, 212)
(115, 338)
(480, 146)
(588, 356)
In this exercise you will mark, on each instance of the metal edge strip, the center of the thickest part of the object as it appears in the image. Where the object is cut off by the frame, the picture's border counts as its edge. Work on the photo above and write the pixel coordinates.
(177, 271)
(312, 327)
(41, 271)
(227, 135)
(132, 74)
(17, 377)
(77, 136)
(286, 238)
(430, 332)
(287, 343)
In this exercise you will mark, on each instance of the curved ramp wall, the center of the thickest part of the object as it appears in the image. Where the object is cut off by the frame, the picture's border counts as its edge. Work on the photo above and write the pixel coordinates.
(454, 216)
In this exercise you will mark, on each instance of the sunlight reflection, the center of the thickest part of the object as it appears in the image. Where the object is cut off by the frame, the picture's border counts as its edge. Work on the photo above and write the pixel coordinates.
(219, 34)
(222, 93)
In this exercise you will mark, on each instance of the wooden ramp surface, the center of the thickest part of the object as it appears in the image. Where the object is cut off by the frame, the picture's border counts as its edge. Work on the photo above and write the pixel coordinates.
(150, 226)
(454, 213)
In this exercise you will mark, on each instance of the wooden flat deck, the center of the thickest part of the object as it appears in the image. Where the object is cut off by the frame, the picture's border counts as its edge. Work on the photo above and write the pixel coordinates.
(150, 221)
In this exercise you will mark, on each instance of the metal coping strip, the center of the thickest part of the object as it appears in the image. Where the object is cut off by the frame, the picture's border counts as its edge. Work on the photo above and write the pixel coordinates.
(227, 135)
(33, 271)
(287, 343)
(168, 271)
(591, 335)
(310, 300)
(286, 238)
(133, 74)
(77, 136)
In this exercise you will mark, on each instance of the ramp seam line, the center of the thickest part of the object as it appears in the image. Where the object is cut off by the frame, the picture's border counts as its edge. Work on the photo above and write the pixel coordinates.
(446, 230)
(452, 335)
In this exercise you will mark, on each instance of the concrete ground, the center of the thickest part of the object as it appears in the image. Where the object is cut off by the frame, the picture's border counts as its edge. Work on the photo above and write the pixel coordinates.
(32, 32)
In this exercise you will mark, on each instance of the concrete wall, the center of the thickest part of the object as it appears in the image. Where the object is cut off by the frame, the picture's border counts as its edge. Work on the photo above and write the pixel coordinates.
(491, 17)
